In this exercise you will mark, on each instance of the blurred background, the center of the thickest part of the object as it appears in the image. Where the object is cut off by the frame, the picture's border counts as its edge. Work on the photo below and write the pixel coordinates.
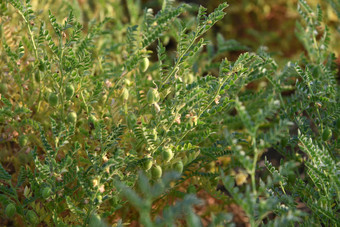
(249, 23)
(253, 23)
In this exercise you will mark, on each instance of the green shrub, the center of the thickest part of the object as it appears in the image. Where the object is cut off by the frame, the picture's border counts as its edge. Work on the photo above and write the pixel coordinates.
(119, 126)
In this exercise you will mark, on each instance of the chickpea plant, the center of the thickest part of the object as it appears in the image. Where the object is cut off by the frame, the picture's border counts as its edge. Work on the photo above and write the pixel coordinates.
(115, 127)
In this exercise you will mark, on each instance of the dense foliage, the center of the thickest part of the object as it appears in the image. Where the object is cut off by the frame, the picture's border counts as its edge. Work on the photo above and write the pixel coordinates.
(127, 120)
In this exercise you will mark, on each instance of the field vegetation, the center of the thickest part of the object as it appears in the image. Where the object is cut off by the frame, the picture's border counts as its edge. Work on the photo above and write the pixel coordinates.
(169, 113)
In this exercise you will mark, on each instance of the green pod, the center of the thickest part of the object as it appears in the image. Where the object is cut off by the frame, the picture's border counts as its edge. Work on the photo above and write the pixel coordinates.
(152, 96)
(32, 217)
(327, 134)
(189, 78)
(178, 166)
(156, 172)
(95, 221)
(167, 155)
(147, 164)
(92, 119)
(10, 210)
(46, 192)
(69, 91)
(72, 117)
(144, 65)
(127, 82)
(99, 198)
(53, 99)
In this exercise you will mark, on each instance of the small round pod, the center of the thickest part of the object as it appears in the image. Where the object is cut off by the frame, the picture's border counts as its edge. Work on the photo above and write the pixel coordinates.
(327, 134)
(69, 91)
(156, 172)
(189, 78)
(92, 119)
(32, 217)
(167, 155)
(125, 94)
(147, 164)
(72, 117)
(178, 166)
(53, 99)
(127, 82)
(144, 65)
(95, 220)
(99, 198)
(46, 192)
(10, 210)
(152, 96)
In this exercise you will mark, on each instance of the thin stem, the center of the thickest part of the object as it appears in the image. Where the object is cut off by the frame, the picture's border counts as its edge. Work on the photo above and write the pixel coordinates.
(31, 35)
(62, 76)
(253, 171)
(39, 98)
(175, 68)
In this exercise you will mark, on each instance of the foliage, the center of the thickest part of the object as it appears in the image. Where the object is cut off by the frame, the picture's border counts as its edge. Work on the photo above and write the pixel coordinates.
(111, 127)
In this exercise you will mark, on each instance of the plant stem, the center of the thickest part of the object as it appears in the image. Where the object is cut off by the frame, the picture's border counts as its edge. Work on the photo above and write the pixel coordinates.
(253, 171)
(31, 35)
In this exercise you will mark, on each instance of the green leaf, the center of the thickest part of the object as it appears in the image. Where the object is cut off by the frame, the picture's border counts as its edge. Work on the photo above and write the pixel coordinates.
(4, 175)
